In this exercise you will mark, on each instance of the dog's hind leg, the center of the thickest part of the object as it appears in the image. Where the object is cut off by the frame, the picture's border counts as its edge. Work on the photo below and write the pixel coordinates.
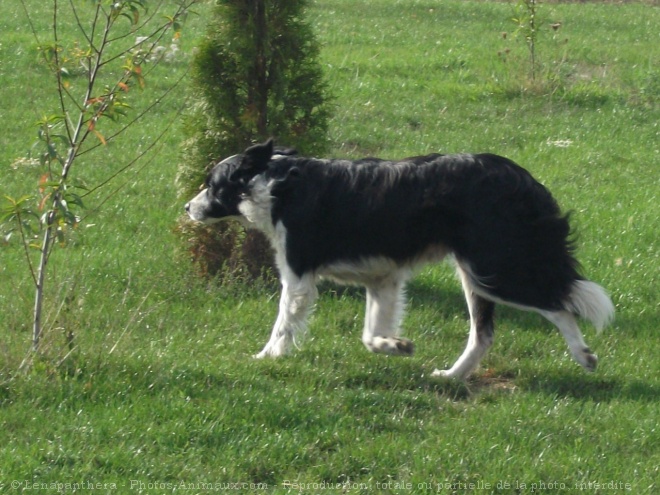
(569, 329)
(296, 301)
(385, 304)
(481, 332)
(591, 302)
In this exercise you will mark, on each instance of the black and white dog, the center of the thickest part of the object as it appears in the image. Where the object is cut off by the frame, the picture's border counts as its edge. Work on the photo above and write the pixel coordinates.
(371, 222)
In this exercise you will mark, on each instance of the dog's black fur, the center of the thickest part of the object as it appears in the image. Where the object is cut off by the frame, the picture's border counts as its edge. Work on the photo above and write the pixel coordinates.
(502, 226)
(483, 208)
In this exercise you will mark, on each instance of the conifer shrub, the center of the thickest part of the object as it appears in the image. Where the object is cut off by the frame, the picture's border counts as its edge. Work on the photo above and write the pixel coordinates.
(255, 75)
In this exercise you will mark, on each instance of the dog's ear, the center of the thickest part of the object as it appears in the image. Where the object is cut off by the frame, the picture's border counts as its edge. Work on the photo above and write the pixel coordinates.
(253, 162)
(256, 157)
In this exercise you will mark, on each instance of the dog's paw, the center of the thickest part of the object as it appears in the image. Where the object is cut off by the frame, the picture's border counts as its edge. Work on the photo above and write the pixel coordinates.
(587, 359)
(268, 352)
(441, 373)
(276, 347)
(447, 374)
(260, 355)
(394, 346)
(405, 347)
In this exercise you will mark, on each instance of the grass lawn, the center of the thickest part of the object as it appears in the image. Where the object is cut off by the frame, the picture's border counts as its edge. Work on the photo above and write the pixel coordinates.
(159, 393)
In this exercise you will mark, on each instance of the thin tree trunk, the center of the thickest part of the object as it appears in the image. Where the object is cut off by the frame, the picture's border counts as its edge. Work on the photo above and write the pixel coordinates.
(261, 93)
(39, 292)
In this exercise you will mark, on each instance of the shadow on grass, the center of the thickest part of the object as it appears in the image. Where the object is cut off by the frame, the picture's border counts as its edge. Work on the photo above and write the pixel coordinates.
(388, 380)
(590, 387)
(311, 372)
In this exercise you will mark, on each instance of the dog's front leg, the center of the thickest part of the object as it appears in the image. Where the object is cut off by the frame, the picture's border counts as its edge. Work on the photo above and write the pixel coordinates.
(296, 301)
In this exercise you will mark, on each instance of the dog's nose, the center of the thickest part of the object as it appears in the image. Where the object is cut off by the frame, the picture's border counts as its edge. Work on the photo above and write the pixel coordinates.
(187, 207)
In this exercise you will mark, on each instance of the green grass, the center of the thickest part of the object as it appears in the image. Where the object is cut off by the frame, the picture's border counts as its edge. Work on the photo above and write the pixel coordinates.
(161, 388)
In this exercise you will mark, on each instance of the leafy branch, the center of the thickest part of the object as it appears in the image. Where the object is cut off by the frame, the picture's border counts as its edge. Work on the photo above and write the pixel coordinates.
(109, 65)
(527, 21)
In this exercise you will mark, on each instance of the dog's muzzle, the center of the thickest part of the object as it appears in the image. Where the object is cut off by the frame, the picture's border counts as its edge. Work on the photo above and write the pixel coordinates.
(197, 207)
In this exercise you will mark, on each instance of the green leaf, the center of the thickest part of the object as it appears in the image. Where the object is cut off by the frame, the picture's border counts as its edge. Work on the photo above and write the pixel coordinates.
(79, 184)
(64, 139)
(74, 199)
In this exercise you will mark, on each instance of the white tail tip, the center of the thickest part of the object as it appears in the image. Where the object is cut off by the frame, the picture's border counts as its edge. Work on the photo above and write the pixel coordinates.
(590, 301)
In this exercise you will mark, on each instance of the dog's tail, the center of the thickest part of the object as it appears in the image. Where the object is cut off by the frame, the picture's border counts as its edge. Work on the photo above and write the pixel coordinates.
(590, 301)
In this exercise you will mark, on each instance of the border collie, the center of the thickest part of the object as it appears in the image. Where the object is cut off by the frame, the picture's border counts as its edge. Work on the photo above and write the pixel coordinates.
(371, 222)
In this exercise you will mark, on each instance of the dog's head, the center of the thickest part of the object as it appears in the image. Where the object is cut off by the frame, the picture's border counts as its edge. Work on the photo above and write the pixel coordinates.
(227, 183)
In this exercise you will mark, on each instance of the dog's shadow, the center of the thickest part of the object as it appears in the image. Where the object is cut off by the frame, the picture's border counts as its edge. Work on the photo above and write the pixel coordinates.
(399, 374)
(592, 387)
(573, 384)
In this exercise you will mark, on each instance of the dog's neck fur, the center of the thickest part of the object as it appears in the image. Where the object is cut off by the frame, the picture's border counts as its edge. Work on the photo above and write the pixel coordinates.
(256, 207)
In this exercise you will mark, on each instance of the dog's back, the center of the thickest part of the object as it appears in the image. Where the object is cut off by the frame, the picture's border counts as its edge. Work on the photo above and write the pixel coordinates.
(484, 209)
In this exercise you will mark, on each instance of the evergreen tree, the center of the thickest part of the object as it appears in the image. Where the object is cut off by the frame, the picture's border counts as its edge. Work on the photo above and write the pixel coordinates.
(256, 75)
